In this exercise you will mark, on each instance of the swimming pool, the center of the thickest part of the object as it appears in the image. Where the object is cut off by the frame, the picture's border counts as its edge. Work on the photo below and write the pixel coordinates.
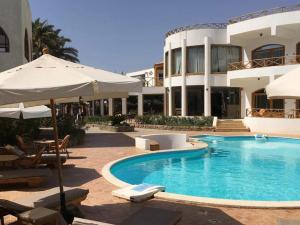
(235, 168)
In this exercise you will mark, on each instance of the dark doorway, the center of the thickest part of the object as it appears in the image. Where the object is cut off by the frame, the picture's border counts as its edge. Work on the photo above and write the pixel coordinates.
(132, 105)
(195, 102)
(153, 104)
(225, 102)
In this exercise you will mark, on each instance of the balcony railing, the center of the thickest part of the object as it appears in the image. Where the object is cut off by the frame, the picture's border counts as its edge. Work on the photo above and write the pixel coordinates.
(258, 63)
(151, 82)
(265, 13)
(273, 113)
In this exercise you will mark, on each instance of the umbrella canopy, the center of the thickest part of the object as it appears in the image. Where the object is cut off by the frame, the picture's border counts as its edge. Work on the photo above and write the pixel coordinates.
(27, 113)
(49, 77)
(286, 86)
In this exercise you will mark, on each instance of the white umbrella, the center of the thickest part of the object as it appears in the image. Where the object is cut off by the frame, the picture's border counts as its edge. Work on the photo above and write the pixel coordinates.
(285, 87)
(49, 78)
(27, 113)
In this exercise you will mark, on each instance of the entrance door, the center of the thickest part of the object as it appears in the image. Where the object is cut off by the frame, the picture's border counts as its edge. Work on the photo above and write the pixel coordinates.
(225, 102)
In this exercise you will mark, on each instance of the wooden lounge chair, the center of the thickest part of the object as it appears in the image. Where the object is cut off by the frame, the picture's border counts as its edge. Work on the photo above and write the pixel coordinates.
(23, 161)
(31, 177)
(25, 147)
(145, 216)
(46, 158)
(63, 145)
(46, 199)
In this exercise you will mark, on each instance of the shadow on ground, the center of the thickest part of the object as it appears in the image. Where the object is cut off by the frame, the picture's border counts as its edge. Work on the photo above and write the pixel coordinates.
(103, 140)
(80, 176)
(116, 213)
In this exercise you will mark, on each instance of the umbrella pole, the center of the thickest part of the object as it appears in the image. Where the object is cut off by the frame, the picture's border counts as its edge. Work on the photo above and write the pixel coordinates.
(60, 179)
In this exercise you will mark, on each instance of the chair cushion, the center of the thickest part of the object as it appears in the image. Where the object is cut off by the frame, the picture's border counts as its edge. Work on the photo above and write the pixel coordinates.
(15, 151)
(12, 207)
(79, 221)
(51, 158)
(51, 198)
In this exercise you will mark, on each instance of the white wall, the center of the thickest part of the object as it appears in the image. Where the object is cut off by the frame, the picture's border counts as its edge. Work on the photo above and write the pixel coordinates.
(165, 141)
(273, 125)
(15, 16)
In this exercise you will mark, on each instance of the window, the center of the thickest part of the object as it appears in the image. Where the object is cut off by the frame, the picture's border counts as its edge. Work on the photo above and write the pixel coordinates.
(4, 42)
(176, 61)
(275, 51)
(222, 55)
(195, 59)
(167, 64)
(26, 46)
(260, 101)
(153, 104)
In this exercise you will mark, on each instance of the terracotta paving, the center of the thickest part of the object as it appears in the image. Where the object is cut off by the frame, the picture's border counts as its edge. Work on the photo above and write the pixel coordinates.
(84, 169)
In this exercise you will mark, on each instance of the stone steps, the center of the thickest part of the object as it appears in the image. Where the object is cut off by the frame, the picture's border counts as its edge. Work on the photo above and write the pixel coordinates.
(231, 126)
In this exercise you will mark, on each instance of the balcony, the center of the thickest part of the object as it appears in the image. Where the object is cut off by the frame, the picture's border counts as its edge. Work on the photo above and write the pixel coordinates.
(266, 62)
(151, 82)
(272, 113)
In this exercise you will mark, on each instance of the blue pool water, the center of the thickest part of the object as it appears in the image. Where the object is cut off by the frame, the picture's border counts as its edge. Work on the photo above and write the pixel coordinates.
(240, 168)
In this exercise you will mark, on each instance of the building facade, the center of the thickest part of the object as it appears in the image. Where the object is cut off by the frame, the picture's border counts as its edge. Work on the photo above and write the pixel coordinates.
(221, 69)
(15, 33)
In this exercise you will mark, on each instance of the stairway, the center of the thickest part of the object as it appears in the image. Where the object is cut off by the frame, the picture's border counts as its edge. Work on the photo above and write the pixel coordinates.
(231, 126)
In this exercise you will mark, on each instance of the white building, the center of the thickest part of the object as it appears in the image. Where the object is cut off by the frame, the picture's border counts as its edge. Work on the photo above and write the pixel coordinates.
(221, 69)
(15, 33)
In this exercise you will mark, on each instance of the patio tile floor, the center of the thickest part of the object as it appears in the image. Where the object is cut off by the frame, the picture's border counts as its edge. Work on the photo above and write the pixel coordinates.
(84, 169)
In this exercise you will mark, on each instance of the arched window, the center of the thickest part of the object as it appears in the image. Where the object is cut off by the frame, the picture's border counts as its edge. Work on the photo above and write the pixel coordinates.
(4, 42)
(260, 101)
(26, 46)
(268, 55)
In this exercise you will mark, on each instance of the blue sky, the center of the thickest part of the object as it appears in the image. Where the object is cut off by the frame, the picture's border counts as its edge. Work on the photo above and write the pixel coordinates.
(128, 35)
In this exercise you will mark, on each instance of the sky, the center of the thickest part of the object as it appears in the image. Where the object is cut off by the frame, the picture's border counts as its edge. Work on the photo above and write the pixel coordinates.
(128, 35)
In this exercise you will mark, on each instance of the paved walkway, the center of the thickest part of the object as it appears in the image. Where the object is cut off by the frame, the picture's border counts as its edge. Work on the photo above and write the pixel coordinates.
(84, 169)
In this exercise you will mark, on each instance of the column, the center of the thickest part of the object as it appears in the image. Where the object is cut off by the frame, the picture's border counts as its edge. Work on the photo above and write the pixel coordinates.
(140, 105)
(207, 71)
(183, 87)
(170, 81)
(93, 108)
(110, 107)
(165, 103)
(101, 107)
(124, 106)
(243, 103)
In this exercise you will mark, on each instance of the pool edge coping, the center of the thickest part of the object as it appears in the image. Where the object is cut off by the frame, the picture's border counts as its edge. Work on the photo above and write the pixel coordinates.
(194, 199)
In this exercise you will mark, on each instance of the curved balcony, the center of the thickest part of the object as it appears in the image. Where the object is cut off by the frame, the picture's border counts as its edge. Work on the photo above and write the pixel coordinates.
(266, 62)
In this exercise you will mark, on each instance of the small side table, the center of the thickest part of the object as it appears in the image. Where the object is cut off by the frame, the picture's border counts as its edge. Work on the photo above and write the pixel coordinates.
(39, 216)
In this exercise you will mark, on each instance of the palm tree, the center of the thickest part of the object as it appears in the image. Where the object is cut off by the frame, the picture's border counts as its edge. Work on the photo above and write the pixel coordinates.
(46, 35)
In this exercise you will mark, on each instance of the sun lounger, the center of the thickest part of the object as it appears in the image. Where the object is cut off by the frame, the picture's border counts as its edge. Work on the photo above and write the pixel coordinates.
(50, 159)
(31, 177)
(79, 221)
(46, 199)
(43, 158)
(138, 193)
(145, 216)
(51, 199)
(288, 222)
(23, 161)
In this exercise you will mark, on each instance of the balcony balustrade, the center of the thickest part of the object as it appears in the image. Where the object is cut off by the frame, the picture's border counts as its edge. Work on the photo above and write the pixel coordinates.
(266, 62)
(273, 113)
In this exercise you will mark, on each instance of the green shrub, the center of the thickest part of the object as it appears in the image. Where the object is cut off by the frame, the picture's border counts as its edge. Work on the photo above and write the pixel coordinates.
(29, 129)
(175, 121)
(116, 120)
